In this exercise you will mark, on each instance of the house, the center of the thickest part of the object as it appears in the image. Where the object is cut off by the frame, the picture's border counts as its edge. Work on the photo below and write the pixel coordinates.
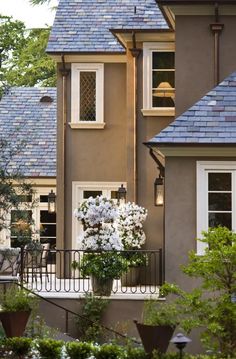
(126, 70)
(28, 124)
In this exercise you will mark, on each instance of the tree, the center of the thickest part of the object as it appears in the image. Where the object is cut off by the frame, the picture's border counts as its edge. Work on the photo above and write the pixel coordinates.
(212, 306)
(23, 58)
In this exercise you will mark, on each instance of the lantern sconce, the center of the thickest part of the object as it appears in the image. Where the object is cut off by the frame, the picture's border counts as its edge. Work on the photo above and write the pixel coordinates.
(159, 191)
(51, 202)
(121, 194)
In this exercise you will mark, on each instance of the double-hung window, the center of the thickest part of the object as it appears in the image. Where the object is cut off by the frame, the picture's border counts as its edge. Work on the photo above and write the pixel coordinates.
(87, 95)
(158, 79)
(216, 196)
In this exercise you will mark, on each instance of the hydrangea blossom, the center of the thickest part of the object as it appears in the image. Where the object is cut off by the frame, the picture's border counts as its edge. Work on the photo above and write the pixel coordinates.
(95, 211)
(130, 225)
(104, 238)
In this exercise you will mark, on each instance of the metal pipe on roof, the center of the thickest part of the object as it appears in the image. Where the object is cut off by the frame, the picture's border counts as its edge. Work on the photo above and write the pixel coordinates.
(216, 29)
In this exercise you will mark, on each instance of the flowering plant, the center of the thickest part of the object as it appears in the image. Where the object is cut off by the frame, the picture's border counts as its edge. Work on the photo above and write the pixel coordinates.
(130, 225)
(95, 211)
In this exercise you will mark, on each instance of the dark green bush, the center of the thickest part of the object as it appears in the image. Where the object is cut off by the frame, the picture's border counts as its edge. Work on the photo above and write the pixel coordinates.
(109, 351)
(136, 353)
(20, 346)
(79, 350)
(49, 348)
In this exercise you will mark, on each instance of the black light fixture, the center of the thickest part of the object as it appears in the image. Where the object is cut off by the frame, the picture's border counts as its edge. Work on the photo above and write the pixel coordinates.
(51, 202)
(180, 342)
(159, 191)
(121, 194)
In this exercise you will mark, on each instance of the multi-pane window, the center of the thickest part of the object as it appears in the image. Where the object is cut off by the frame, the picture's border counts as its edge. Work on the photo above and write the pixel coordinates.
(87, 87)
(158, 79)
(216, 197)
(220, 199)
(163, 79)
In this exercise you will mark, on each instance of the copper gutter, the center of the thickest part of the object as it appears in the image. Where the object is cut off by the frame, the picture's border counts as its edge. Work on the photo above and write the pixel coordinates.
(216, 29)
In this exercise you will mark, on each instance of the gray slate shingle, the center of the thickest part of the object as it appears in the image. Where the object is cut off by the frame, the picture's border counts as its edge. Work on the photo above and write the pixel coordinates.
(84, 25)
(212, 120)
(24, 118)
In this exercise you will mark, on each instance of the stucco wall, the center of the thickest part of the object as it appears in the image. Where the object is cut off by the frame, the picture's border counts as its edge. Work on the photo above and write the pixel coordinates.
(195, 57)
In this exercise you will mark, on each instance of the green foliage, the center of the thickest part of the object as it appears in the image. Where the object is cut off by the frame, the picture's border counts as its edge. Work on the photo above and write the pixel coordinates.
(89, 324)
(14, 300)
(23, 58)
(211, 306)
(79, 350)
(20, 346)
(156, 312)
(136, 353)
(104, 265)
(109, 351)
(49, 348)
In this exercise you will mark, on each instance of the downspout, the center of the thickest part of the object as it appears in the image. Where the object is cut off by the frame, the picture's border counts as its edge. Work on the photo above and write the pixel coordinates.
(135, 52)
(216, 29)
(64, 72)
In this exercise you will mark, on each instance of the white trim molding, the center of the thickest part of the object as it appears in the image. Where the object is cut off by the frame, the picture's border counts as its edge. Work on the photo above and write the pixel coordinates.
(148, 49)
(203, 168)
(76, 69)
(77, 197)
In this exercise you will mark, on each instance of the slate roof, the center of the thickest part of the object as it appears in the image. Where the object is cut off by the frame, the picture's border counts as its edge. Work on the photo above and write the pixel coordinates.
(212, 120)
(84, 25)
(24, 118)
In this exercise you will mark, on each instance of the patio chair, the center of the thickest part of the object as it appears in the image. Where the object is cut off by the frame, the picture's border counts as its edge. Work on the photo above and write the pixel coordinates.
(36, 261)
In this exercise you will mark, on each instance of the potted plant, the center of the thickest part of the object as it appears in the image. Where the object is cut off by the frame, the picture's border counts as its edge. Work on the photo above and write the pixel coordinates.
(16, 305)
(101, 243)
(130, 226)
(159, 320)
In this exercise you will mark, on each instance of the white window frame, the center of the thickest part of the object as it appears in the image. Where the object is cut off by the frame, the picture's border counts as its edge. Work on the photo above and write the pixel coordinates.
(203, 168)
(76, 68)
(77, 197)
(148, 49)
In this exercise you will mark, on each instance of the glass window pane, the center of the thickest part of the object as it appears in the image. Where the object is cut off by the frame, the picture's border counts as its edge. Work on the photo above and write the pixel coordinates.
(87, 96)
(93, 194)
(48, 230)
(25, 198)
(163, 60)
(220, 201)
(17, 215)
(46, 217)
(44, 199)
(114, 194)
(162, 102)
(220, 219)
(219, 181)
(163, 79)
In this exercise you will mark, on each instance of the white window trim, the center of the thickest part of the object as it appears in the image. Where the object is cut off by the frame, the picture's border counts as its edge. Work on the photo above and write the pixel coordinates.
(148, 48)
(77, 188)
(76, 68)
(202, 199)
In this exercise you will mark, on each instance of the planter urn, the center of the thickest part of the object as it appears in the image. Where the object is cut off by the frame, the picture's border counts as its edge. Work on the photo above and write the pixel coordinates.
(102, 287)
(14, 323)
(155, 336)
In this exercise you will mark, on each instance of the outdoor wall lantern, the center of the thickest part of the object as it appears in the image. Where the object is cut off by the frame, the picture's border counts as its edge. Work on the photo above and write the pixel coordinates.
(121, 194)
(159, 191)
(180, 342)
(51, 202)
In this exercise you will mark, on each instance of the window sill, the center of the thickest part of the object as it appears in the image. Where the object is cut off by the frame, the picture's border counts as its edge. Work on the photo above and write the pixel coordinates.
(88, 125)
(159, 112)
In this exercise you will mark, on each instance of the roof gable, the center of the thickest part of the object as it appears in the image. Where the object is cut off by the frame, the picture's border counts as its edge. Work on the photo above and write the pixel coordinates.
(24, 119)
(84, 25)
(212, 120)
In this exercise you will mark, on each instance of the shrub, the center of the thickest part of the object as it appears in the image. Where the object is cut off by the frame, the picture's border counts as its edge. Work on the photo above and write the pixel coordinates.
(14, 300)
(49, 348)
(79, 350)
(19, 346)
(136, 353)
(109, 351)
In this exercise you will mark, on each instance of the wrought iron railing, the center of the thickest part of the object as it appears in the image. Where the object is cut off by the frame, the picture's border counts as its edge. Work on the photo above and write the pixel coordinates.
(142, 271)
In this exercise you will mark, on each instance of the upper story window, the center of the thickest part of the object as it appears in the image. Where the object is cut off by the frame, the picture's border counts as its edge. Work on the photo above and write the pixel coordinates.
(158, 79)
(216, 197)
(87, 96)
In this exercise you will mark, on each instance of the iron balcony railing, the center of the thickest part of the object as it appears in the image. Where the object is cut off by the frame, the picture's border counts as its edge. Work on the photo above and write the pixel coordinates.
(54, 271)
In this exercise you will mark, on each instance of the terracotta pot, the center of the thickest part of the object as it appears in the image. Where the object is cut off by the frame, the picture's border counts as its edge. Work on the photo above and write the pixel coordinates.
(102, 287)
(14, 323)
(155, 336)
(131, 278)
